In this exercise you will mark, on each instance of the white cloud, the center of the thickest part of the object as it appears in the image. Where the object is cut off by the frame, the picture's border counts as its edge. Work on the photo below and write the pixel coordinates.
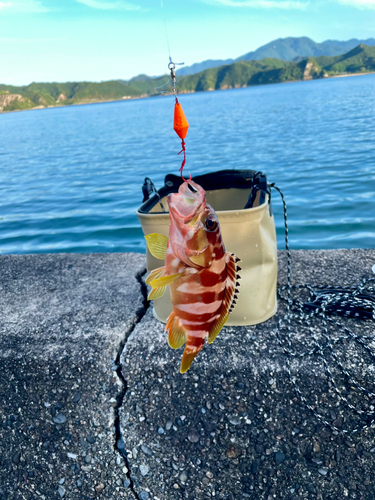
(103, 5)
(361, 4)
(264, 4)
(21, 6)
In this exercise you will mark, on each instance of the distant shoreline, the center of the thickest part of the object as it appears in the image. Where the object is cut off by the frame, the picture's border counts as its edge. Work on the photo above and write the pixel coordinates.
(352, 74)
(131, 98)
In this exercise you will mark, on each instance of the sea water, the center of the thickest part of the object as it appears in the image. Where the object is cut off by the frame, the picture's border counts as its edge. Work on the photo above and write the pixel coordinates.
(71, 177)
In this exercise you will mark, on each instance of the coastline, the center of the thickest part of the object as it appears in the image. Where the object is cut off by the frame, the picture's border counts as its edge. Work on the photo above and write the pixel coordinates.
(83, 103)
(130, 98)
(352, 74)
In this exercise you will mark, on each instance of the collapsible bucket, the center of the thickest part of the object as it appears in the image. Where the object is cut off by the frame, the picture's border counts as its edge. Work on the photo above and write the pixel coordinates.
(247, 232)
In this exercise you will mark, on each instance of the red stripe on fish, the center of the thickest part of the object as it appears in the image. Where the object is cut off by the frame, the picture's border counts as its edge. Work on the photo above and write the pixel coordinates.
(208, 278)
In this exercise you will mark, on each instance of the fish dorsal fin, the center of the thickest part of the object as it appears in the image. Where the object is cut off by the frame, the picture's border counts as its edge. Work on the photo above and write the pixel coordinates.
(230, 296)
(157, 244)
(156, 293)
(165, 280)
(156, 273)
(177, 335)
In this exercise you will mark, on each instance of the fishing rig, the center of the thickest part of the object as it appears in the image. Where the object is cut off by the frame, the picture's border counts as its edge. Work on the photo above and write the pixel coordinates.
(180, 123)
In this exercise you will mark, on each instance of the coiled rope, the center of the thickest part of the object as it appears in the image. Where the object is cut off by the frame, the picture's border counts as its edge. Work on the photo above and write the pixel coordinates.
(356, 302)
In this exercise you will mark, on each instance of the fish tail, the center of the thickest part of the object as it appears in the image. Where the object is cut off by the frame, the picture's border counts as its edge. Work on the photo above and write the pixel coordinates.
(193, 346)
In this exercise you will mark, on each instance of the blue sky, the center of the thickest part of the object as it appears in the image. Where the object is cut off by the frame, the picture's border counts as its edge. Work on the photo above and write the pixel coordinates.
(65, 40)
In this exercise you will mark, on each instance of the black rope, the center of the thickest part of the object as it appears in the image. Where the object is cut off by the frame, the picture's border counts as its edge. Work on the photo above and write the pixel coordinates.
(323, 303)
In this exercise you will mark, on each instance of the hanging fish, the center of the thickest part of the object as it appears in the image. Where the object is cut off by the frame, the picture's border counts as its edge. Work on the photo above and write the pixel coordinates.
(202, 276)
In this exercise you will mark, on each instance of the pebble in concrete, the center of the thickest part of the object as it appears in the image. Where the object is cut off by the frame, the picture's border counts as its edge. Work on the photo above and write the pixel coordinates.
(146, 450)
(279, 457)
(59, 418)
(144, 470)
(193, 435)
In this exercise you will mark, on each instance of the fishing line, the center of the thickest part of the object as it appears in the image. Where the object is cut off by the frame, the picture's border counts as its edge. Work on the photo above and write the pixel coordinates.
(355, 302)
(166, 30)
(180, 123)
(163, 91)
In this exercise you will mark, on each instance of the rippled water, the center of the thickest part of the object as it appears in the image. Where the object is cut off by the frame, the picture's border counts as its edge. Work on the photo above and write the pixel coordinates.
(70, 178)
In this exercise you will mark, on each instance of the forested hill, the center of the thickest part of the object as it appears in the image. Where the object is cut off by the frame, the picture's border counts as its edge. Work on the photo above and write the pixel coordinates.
(60, 94)
(239, 74)
(246, 73)
(286, 49)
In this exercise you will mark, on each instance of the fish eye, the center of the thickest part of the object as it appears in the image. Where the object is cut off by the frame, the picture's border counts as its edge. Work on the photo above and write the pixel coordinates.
(193, 190)
(210, 224)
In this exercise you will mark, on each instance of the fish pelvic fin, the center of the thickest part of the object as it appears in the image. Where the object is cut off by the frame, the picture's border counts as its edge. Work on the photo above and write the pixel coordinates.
(230, 296)
(177, 335)
(157, 245)
(155, 274)
(193, 347)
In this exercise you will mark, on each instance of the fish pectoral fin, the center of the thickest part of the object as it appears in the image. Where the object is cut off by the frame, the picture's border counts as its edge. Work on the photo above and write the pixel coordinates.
(156, 293)
(157, 244)
(229, 299)
(156, 273)
(159, 282)
(165, 280)
(176, 332)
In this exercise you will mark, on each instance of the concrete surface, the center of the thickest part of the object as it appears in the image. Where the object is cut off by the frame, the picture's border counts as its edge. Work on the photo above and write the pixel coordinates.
(63, 319)
(231, 428)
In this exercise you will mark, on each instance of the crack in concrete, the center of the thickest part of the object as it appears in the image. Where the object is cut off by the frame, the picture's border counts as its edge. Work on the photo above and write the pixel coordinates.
(119, 443)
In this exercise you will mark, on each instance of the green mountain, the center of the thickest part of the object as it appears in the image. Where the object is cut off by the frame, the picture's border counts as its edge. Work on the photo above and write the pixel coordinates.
(361, 59)
(246, 73)
(198, 67)
(233, 75)
(287, 49)
(52, 94)
(55, 94)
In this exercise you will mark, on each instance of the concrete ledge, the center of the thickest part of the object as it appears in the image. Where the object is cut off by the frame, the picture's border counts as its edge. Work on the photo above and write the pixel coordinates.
(64, 319)
(231, 428)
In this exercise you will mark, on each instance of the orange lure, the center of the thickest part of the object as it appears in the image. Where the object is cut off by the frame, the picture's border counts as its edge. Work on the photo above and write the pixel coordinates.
(180, 123)
(180, 126)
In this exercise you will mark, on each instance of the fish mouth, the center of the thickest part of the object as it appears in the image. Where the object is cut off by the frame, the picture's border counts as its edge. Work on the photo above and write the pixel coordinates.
(187, 202)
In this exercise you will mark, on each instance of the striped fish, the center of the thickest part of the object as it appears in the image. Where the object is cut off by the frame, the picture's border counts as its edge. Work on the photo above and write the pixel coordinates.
(202, 276)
